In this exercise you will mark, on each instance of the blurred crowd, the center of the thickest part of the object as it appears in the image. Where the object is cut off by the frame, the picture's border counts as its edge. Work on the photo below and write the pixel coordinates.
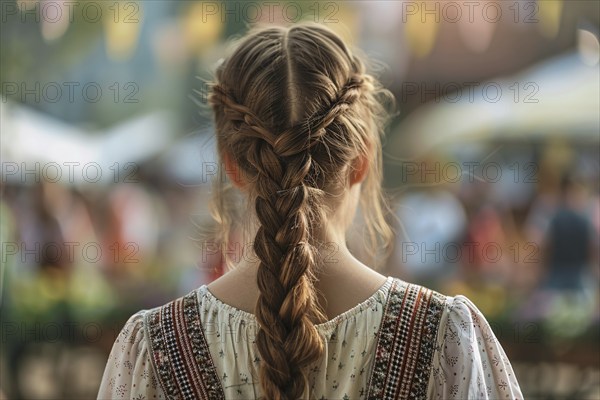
(521, 239)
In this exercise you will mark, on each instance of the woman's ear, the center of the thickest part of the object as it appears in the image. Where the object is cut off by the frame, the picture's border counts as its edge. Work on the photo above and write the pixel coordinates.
(359, 170)
(232, 170)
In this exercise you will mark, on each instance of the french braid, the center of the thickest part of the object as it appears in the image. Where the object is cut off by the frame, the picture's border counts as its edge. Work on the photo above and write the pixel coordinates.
(288, 168)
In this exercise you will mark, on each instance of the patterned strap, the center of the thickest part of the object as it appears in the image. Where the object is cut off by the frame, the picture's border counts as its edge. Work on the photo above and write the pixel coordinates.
(406, 342)
(179, 352)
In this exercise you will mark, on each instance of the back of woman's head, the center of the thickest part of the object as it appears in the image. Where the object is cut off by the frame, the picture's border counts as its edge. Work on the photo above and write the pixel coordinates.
(295, 111)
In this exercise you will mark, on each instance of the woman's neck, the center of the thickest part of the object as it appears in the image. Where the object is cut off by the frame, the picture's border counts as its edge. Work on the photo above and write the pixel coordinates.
(342, 281)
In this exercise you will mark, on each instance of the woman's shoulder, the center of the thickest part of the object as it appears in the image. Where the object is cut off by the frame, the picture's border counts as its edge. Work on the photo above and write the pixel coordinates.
(138, 326)
(457, 355)
(453, 317)
(406, 340)
(455, 309)
(469, 361)
(147, 354)
(128, 372)
(405, 297)
(166, 325)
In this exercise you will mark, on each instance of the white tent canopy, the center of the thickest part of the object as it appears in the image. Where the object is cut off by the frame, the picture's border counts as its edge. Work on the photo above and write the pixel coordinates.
(193, 159)
(559, 97)
(37, 146)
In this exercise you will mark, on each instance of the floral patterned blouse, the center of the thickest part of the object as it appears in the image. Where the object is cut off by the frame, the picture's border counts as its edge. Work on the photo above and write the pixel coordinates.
(466, 361)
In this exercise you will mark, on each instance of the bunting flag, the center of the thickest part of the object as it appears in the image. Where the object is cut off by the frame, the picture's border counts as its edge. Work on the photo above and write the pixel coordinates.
(122, 24)
(550, 13)
(55, 19)
(203, 24)
(477, 33)
(420, 28)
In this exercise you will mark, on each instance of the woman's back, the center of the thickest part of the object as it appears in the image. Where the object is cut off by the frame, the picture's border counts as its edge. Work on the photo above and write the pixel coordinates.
(404, 341)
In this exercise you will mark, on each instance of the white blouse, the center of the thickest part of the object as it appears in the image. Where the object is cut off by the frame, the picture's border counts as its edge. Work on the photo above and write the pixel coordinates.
(468, 361)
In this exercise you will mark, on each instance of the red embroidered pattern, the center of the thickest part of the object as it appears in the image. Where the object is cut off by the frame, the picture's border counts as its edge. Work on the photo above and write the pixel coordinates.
(180, 354)
(406, 342)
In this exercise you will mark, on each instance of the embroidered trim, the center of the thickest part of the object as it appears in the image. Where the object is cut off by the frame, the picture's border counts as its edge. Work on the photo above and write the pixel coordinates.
(180, 354)
(406, 342)
(405, 345)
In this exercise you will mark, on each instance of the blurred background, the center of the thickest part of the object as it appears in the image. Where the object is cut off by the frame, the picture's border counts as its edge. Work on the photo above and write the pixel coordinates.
(107, 155)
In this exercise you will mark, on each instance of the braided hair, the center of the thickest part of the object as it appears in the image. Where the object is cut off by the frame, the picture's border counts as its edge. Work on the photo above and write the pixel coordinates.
(294, 108)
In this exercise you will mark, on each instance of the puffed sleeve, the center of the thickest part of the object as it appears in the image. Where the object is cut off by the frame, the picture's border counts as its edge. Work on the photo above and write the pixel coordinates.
(128, 373)
(469, 362)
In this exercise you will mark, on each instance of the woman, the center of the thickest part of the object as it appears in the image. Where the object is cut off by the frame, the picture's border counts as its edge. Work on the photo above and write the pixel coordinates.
(298, 122)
